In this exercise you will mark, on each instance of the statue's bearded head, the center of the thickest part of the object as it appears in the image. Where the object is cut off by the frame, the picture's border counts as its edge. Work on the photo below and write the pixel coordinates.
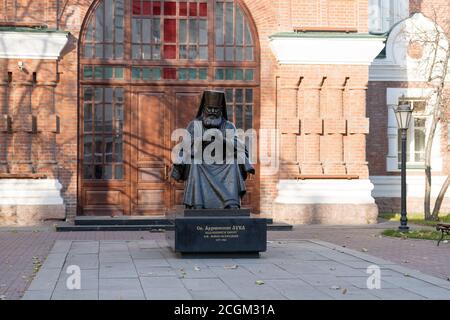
(212, 114)
(212, 117)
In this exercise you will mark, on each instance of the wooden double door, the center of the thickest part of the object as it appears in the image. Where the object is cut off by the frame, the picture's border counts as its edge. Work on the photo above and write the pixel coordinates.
(142, 185)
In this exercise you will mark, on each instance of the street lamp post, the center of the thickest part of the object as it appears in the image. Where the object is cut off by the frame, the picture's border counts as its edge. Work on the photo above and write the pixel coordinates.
(403, 115)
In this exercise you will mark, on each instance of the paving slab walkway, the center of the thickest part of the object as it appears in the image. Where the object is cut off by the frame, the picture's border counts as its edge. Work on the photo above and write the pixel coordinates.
(291, 269)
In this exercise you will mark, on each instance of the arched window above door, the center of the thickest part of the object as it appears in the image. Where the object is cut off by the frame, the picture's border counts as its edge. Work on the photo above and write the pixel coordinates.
(144, 30)
(104, 38)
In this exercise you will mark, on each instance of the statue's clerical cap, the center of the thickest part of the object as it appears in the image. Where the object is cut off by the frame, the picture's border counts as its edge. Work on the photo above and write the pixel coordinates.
(213, 98)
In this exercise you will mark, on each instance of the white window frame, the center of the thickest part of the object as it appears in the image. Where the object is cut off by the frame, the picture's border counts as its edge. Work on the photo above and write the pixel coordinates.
(411, 161)
(392, 97)
(383, 14)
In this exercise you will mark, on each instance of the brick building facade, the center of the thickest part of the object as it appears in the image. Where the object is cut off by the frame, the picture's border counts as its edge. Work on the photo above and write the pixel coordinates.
(90, 91)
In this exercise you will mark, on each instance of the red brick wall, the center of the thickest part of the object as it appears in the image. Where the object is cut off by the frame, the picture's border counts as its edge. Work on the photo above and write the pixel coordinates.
(330, 13)
(336, 135)
(30, 11)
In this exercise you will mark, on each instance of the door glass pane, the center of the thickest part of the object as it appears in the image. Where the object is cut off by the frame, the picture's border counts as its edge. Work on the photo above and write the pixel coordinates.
(219, 23)
(248, 117)
(229, 53)
(170, 8)
(98, 155)
(119, 172)
(119, 51)
(136, 31)
(239, 74)
(203, 31)
(88, 51)
(88, 148)
(146, 53)
(249, 95)
(239, 54)
(192, 53)
(170, 30)
(104, 147)
(203, 53)
(239, 95)
(183, 9)
(239, 27)
(88, 172)
(156, 8)
(192, 9)
(136, 52)
(98, 172)
(108, 125)
(193, 28)
(248, 36)
(182, 35)
(99, 23)
(108, 173)
(118, 149)
(109, 21)
(146, 8)
(239, 122)
(203, 9)
(229, 36)
(146, 30)
(108, 149)
(156, 31)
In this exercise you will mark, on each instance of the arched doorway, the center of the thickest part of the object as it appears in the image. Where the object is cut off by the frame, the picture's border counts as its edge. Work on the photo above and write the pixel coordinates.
(143, 66)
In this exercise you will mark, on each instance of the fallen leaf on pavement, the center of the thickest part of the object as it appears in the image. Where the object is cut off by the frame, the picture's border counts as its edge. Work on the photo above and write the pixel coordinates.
(259, 282)
(335, 287)
(344, 291)
(234, 266)
(364, 250)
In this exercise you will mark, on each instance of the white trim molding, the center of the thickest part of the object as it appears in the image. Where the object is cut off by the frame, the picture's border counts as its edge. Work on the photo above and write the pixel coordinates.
(399, 65)
(331, 50)
(390, 186)
(392, 98)
(30, 192)
(383, 14)
(325, 191)
(43, 45)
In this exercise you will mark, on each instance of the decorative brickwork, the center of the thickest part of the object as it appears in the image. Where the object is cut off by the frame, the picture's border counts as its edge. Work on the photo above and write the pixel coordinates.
(322, 112)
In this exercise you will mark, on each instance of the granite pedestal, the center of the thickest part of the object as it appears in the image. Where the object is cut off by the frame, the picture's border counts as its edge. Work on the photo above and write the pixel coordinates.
(219, 232)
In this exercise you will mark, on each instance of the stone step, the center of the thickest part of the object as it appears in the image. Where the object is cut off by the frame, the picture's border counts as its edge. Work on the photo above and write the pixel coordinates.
(67, 227)
(126, 220)
(120, 220)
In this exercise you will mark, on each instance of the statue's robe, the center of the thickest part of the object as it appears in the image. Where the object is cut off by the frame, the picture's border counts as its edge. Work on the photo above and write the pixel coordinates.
(217, 185)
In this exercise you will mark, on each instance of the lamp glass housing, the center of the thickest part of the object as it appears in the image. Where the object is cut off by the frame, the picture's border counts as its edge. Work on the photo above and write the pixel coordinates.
(403, 114)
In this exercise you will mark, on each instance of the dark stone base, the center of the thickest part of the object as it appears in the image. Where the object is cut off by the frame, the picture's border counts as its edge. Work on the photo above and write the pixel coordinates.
(201, 233)
(251, 255)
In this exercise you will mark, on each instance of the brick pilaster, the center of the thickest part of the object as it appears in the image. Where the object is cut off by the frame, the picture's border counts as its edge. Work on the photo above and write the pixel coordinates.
(358, 129)
(311, 125)
(289, 126)
(332, 142)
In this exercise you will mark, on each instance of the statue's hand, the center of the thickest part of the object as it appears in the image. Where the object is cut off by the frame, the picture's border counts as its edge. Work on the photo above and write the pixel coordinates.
(245, 171)
(176, 174)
